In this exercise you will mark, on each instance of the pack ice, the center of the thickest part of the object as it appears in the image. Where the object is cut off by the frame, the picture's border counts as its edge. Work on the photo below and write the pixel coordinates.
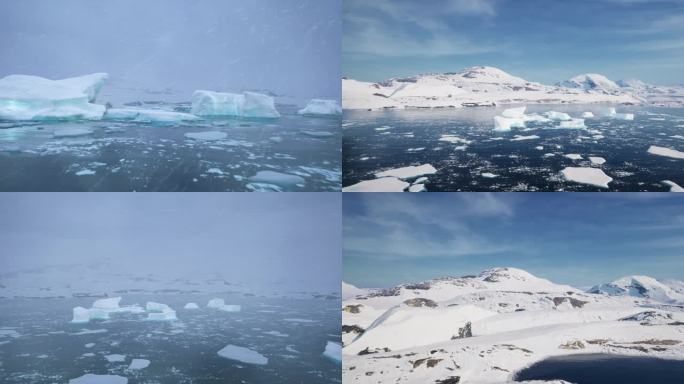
(247, 104)
(24, 97)
(321, 107)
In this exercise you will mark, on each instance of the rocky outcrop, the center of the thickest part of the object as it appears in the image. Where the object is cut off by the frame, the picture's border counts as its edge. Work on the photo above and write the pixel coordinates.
(463, 332)
(420, 302)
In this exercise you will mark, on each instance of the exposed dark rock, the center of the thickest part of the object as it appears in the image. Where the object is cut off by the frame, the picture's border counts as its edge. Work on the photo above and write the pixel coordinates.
(576, 344)
(370, 352)
(449, 380)
(430, 363)
(500, 369)
(422, 286)
(352, 329)
(420, 302)
(353, 308)
(574, 302)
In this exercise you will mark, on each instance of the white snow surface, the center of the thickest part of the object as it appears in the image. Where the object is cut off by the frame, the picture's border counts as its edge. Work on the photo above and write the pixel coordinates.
(321, 107)
(349, 291)
(243, 355)
(640, 286)
(247, 104)
(99, 379)
(590, 176)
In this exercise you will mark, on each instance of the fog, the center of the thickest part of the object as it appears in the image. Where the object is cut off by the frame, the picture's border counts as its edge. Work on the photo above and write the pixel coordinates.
(289, 47)
(292, 240)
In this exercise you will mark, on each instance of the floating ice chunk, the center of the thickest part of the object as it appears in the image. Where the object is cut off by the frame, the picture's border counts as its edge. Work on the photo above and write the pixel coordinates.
(81, 315)
(667, 152)
(408, 172)
(148, 115)
(108, 303)
(333, 351)
(421, 180)
(623, 116)
(535, 118)
(249, 104)
(610, 112)
(243, 355)
(89, 332)
(574, 156)
(258, 105)
(222, 306)
(417, 188)
(90, 345)
(139, 364)
(597, 160)
(521, 138)
(115, 358)
(588, 115)
(99, 379)
(514, 112)
(674, 187)
(591, 176)
(321, 107)
(25, 97)
(454, 139)
(191, 306)
(277, 178)
(160, 312)
(559, 116)
(216, 303)
(276, 333)
(573, 124)
(383, 184)
(98, 314)
(71, 132)
(488, 175)
(206, 136)
(297, 320)
(503, 124)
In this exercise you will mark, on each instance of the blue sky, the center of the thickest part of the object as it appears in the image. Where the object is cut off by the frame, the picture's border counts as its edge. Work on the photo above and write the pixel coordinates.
(540, 40)
(573, 238)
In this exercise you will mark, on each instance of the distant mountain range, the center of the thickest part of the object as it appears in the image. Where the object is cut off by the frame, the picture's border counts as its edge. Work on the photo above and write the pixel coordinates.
(487, 86)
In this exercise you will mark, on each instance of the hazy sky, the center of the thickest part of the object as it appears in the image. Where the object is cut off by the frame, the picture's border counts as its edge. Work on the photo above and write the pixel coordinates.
(290, 47)
(262, 238)
(574, 238)
(540, 40)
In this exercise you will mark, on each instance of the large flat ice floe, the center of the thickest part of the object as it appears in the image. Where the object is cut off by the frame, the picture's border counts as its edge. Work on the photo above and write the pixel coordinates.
(321, 107)
(99, 379)
(667, 152)
(383, 184)
(247, 104)
(139, 364)
(24, 97)
(409, 172)
(243, 355)
(590, 176)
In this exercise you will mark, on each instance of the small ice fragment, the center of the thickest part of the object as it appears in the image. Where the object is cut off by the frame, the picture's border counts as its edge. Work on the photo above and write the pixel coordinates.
(277, 178)
(588, 115)
(623, 116)
(99, 379)
(222, 306)
(243, 355)
(521, 138)
(488, 175)
(591, 176)
(421, 180)
(81, 315)
(139, 364)
(574, 156)
(333, 351)
(215, 171)
(206, 136)
(504, 124)
(90, 345)
(317, 134)
(85, 172)
(160, 312)
(115, 358)
(191, 306)
(573, 124)
(597, 160)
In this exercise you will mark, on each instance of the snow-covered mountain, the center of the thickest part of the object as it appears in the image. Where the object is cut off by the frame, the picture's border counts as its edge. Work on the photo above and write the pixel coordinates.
(483, 328)
(486, 86)
(642, 287)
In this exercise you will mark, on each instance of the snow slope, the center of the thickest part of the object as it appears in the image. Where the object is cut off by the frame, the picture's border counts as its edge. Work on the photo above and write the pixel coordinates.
(486, 327)
(642, 287)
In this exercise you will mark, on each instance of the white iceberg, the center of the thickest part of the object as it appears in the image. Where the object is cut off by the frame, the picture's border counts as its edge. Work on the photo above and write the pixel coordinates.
(559, 116)
(191, 306)
(408, 172)
(248, 104)
(108, 303)
(81, 315)
(504, 124)
(597, 160)
(139, 364)
(148, 115)
(98, 314)
(222, 306)
(573, 124)
(590, 176)
(610, 112)
(417, 188)
(535, 118)
(588, 115)
(160, 312)
(321, 107)
(674, 187)
(99, 379)
(24, 97)
(514, 112)
(333, 351)
(243, 355)
(383, 184)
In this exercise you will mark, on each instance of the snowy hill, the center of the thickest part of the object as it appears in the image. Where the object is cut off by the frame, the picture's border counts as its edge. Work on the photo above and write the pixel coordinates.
(349, 291)
(477, 86)
(642, 287)
(483, 328)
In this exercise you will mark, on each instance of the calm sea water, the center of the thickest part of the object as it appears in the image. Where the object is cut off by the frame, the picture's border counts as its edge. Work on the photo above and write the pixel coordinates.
(48, 350)
(380, 140)
(606, 369)
(127, 156)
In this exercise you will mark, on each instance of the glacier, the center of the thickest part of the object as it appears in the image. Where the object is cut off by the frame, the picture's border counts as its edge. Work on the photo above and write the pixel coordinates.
(25, 97)
(247, 104)
(321, 107)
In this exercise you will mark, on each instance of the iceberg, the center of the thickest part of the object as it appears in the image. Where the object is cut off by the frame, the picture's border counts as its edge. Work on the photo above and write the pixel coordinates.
(24, 97)
(115, 358)
(191, 306)
(243, 355)
(99, 379)
(667, 152)
(514, 112)
(147, 115)
(81, 315)
(503, 124)
(535, 118)
(321, 107)
(98, 314)
(248, 104)
(333, 351)
(609, 112)
(108, 303)
(222, 306)
(160, 312)
(573, 124)
(560, 116)
(588, 115)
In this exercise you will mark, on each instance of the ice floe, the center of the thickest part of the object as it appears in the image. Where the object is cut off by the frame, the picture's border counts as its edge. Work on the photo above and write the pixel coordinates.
(139, 364)
(333, 351)
(206, 136)
(504, 124)
(521, 138)
(160, 312)
(572, 124)
(667, 152)
(243, 355)
(587, 115)
(597, 160)
(277, 178)
(148, 115)
(191, 306)
(115, 358)
(321, 107)
(99, 379)
(221, 305)
(488, 175)
(590, 176)
(574, 156)
(408, 172)
(558, 116)
(383, 184)
(417, 188)
(248, 104)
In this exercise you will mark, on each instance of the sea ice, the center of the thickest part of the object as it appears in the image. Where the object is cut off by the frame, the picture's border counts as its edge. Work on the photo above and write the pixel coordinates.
(90, 345)
(321, 107)
(222, 306)
(139, 364)
(148, 115)
(277, 178)
(408, 172)
(503, 124)
(243, 355)
(248, 104)
(71, 132)
(383, 184)
(25, 97)
(573, 124)
(333, 351)
(206, 136)
(108, 303)
(535, 118)
(588, 115)
(191, 306)
(488, 175)
(559, 116)
(115, 358)
(521, 138)
(160, 312)
(591, 176)
(574, 156)
(623, 116)
(667, 152)
(81, 315)
(99, 379)
(514, 112)
(597, 160)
